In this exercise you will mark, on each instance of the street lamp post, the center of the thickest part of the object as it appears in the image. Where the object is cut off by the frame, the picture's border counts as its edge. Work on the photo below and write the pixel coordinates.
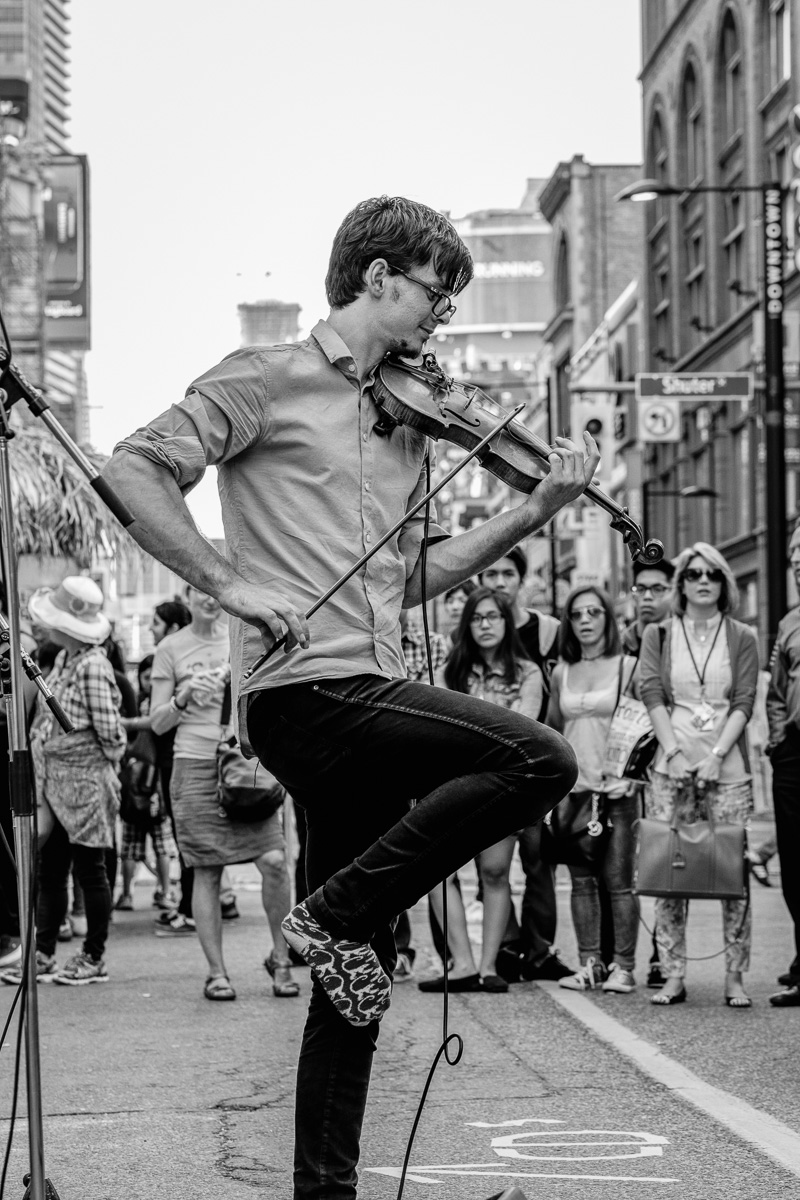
(774, 417)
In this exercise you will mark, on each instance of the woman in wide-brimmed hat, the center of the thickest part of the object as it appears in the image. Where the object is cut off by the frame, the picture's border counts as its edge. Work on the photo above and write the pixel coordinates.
(76, 775)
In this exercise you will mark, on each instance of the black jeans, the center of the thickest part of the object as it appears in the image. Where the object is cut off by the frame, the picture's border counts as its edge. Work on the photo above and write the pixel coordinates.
(88, 863)
(352, 752)
(786, 798)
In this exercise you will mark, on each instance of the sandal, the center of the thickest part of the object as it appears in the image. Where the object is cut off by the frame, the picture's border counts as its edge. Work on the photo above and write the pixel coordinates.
(285, 985)
(218, 987)
(738, 1001)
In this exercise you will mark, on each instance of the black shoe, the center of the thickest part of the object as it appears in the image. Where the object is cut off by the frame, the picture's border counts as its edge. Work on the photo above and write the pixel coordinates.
(788, 999)
(493, 983)
(229, 911)
(509, 964)
(655, 976)
(467, 983)
(550, 967)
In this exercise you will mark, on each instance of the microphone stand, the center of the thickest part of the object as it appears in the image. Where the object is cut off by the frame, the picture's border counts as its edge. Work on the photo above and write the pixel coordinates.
(14, 386)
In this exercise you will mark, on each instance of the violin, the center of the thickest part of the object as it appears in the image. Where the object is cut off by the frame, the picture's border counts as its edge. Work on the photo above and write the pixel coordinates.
(426, 399)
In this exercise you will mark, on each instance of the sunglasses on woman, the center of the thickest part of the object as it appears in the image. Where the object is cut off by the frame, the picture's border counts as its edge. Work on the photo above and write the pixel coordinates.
(593, 613)
(695, 574)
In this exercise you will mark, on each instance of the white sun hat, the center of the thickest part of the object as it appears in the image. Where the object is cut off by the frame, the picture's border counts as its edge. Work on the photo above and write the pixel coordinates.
(73, 608)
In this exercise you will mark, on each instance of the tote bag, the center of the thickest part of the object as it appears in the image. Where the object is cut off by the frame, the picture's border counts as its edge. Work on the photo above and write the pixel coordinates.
(701, 861)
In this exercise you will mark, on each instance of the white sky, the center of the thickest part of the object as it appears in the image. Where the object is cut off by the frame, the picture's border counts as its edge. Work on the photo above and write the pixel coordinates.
(227, 141)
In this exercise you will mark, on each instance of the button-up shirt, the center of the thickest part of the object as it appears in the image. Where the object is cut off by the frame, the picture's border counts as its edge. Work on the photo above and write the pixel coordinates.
(783, 694)
(416, 654)
(307, 486)
(84, 685)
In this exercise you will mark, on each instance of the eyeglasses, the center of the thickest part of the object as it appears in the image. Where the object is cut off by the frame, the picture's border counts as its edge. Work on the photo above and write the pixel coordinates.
(442, 305)
(695, 574)
(593, 613)
(486, 619)
(656, 589)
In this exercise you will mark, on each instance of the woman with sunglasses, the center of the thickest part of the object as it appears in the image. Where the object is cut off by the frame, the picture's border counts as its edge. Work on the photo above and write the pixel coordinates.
(699, 672)
(585, 689)
(488, 661)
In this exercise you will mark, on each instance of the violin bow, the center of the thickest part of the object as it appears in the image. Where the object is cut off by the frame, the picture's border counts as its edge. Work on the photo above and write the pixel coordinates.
(412, 512)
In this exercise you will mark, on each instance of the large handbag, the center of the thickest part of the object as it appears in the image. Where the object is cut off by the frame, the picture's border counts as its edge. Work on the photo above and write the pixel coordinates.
(246, 791)
(577, 830)
(631, 743)
(138, 779)
(701, 861)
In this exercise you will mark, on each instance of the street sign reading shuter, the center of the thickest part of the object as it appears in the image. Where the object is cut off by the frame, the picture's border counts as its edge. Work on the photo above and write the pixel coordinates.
(659, 397)
(695, 385)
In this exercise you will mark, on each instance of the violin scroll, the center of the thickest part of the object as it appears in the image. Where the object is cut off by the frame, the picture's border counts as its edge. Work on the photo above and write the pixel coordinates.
(651, 553)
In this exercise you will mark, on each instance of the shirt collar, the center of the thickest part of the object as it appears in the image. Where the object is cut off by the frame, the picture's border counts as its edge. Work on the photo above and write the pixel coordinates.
(336, 351)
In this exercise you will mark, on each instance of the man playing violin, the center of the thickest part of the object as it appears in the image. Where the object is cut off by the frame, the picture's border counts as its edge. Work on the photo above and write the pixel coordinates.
(309, 479)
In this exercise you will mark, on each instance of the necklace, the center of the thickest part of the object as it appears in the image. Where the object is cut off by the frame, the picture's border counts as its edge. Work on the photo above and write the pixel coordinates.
(591, 657)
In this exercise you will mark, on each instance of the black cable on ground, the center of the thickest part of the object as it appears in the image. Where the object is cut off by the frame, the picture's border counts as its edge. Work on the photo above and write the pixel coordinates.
(447, 1037)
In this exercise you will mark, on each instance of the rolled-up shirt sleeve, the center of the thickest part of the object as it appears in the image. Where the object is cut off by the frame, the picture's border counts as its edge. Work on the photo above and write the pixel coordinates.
(223, 413)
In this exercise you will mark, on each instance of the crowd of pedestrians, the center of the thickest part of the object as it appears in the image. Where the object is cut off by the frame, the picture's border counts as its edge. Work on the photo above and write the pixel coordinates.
(681, 651)
(177, 721)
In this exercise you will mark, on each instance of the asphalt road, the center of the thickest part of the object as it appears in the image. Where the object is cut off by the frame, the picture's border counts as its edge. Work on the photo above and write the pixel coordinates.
(150, 1091)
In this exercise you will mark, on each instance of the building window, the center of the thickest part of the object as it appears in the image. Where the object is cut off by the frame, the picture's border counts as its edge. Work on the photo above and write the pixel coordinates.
(778, 42)
(562, 283)
(731, 79)
(733, 249)
(695, 282)
(658, 245)
(692, 127)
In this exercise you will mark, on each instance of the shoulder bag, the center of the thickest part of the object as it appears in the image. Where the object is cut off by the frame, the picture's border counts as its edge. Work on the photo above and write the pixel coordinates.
(632, 744)
(246, 791)
(701, 861)
(577, 830)
(138, 779)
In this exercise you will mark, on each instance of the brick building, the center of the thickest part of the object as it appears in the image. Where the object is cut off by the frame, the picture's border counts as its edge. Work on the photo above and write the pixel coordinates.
(719, 81)
(591, 337)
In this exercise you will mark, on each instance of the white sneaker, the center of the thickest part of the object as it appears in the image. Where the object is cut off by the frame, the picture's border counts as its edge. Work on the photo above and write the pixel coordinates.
(619, 980)
(585, 979)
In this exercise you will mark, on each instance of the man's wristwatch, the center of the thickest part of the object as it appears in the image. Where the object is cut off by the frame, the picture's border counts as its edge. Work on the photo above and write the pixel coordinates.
(178, 708)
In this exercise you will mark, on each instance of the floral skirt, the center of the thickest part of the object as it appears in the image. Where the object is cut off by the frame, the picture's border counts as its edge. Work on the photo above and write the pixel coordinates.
(81, 786)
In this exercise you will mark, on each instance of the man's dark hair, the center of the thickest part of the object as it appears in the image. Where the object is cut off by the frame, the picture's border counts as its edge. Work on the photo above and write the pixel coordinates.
(407, 234)
(465, 653)
(174, 612)
(467, 587)
(666, 566)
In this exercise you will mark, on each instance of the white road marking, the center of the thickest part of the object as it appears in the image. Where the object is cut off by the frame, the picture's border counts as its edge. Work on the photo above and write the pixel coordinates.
(505, 1146)
(469, 1169)
(766, 1133)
